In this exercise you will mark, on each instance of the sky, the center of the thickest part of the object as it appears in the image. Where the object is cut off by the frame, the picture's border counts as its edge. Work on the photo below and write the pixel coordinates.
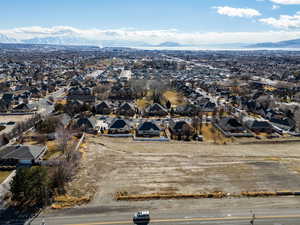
(153, 21)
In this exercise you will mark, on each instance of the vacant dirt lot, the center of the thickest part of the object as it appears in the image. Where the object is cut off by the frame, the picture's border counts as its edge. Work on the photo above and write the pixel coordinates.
(13, 118)
(122, 165)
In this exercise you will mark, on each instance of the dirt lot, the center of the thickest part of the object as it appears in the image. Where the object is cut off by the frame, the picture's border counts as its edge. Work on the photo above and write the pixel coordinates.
(122, 165)
(13, 118)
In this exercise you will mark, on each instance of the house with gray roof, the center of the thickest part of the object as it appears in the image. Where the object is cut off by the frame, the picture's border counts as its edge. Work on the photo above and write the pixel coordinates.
(119, 126)
(18, 153)
(155, 110)
(126, 109)
(87, 124)
(148, 129)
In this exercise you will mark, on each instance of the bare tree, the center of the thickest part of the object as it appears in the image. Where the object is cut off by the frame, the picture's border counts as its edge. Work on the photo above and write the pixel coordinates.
(196, 123)
(63, 136)
(266, 101)
(102, 91)
(297, 118)
(235, 84)
(187, 131)
(139, 87)
(158, 86)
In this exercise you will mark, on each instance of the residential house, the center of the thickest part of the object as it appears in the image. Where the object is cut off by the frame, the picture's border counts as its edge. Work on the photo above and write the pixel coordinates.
(83, 94)
(231, 125)
(119, 126)
(209, 107)
(36, 93)
(259, 126)
(126, 109)
(187, 110)
(155, 110)
(148, 129)
(23, 107)
(87, 124)
(181, 128)
(18, 153)
(103, 108)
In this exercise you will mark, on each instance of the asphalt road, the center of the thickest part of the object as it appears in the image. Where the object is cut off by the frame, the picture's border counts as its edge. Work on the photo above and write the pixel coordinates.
(240, 218)
(44, 105)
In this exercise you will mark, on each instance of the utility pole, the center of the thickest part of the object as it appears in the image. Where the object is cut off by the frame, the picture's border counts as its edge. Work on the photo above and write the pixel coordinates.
(253, 218)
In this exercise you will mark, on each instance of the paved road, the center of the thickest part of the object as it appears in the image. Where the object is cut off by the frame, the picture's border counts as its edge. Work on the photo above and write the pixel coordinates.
(44, 105)
(272, 218)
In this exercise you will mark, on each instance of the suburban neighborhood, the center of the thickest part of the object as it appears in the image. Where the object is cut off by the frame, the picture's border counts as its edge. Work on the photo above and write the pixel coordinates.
(82, 122)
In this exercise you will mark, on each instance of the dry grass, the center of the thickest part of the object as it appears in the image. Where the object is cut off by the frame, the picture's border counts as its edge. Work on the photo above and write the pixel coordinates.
(273, 159)
(4, 174)
(66, 201)
(258, 194)
(63, 101)
(53, 150)
(143, 103)
(125, 197)
(211, 134)
(181, 170)
(174, 97)
(82, 150)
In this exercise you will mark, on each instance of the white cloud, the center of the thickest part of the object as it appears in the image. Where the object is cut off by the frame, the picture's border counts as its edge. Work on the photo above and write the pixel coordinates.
(284, 21)
(274, 7)
(237, 12)
(286, 2)
(151, 36)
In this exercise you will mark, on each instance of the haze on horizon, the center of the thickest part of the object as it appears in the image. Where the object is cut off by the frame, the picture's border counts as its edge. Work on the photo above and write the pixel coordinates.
(191, 22)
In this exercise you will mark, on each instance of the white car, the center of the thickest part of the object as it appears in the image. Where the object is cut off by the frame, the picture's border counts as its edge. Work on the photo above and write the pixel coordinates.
(141, 218)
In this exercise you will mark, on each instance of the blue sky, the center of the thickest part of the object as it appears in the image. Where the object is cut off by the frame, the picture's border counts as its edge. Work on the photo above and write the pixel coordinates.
(185, 16)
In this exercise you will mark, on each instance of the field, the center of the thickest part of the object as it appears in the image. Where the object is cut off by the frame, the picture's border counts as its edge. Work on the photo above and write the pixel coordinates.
(122, 165)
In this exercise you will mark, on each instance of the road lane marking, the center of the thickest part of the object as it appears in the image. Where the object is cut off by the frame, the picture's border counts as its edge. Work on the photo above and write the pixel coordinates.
(193, 219)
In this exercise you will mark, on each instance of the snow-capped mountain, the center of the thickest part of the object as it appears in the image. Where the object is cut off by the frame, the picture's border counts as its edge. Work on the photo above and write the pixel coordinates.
(60, 40)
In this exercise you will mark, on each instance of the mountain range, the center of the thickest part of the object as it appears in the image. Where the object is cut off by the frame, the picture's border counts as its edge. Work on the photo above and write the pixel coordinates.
(295, 43)
(75, 40)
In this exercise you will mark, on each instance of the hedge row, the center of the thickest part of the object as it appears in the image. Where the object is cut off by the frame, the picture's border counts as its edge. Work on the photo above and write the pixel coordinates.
(155, 196)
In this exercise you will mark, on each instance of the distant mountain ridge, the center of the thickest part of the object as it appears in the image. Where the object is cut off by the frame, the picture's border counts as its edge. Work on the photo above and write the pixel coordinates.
(75, 40)
(61, 40)
(169, 44)
(295, 43)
